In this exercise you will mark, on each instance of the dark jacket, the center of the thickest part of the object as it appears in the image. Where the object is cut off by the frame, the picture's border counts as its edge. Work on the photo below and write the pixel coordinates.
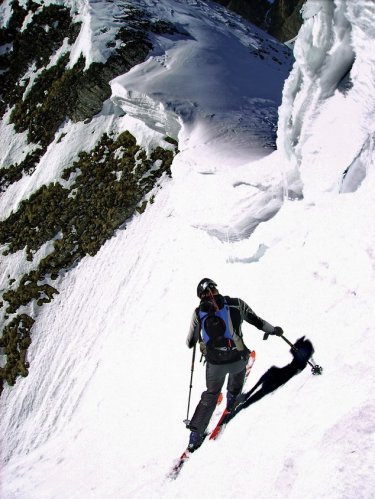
(239, 311)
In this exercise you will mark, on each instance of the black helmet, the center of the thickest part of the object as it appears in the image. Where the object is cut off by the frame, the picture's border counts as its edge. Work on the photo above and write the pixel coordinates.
(204, 284)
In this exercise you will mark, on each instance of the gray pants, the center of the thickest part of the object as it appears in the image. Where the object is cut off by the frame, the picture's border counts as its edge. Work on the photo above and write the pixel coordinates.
(215, 377)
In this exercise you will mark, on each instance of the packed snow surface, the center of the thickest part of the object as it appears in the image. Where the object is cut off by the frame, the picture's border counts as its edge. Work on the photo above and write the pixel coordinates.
(292, 233)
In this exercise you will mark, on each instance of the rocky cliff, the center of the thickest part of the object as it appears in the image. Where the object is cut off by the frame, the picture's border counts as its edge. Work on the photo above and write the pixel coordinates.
(282, 18)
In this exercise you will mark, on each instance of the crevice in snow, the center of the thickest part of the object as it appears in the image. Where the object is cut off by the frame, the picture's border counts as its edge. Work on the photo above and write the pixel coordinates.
(358, 169)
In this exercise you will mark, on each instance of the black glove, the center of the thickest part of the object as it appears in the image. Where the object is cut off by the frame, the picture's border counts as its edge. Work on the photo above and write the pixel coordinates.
(278, 331)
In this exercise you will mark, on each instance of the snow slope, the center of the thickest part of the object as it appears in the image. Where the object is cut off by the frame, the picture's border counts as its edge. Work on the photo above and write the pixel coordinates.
(100, 414)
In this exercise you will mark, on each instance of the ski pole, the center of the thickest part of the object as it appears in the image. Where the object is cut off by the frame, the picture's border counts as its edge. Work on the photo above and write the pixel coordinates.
(187, 420)
(315, 369)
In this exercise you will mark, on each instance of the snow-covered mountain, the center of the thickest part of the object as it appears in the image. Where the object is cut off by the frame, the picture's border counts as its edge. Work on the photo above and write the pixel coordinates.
(118, 198)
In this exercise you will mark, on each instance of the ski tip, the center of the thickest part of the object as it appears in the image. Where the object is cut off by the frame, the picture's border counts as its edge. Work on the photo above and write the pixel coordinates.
(175, 471)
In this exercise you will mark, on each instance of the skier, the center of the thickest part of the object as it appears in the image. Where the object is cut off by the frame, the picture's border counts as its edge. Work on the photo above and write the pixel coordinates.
(216, 325)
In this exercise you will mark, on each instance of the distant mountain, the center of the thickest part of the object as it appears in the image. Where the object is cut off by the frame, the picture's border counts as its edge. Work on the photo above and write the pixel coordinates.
(280, 18)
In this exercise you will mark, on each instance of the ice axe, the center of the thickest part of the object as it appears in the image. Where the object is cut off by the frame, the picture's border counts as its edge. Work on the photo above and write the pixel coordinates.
(315, 369)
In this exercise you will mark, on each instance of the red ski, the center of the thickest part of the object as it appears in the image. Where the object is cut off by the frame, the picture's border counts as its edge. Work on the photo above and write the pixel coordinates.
(175, 471)
(173, 474)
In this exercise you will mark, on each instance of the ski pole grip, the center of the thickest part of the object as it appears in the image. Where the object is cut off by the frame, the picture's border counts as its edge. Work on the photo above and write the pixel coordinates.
(265, 336)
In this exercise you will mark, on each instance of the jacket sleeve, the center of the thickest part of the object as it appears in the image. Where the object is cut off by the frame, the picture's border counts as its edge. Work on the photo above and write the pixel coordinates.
(195, 327)
(248, 315)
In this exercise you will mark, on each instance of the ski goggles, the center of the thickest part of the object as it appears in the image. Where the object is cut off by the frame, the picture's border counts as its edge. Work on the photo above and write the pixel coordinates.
(208, 286)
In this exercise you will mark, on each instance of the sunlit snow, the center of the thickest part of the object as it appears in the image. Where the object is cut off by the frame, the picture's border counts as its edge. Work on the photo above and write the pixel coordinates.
(291, 232)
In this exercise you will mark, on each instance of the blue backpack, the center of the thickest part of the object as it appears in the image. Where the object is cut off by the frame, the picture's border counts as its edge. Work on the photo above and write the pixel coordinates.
(216, 332)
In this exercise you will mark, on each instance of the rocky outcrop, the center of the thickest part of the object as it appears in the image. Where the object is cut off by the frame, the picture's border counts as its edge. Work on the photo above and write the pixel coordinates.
(59, 91)
(281, 19)
(253, 10)
(32, 46)
(284, 19)
(111, 183)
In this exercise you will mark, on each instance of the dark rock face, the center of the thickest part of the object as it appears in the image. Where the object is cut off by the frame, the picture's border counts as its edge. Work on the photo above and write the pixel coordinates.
(253, 10)
(34, 45)
(94, 86)
(284, 19)
(281, 19)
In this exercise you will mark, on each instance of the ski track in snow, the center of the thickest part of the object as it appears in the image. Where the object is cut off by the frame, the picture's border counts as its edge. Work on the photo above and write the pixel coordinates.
(100, 414)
